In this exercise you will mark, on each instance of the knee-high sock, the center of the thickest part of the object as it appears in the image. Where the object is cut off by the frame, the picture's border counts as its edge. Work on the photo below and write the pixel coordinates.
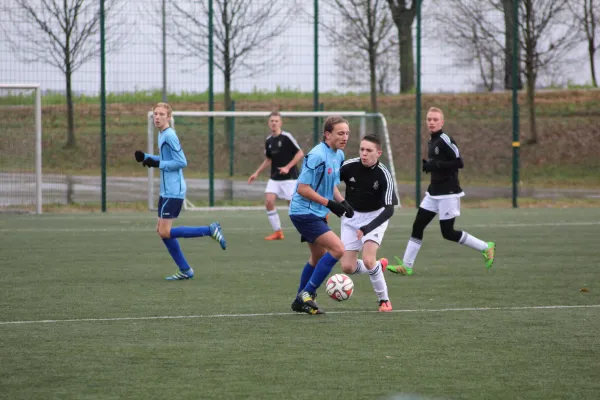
(175, 251)
(360, 268)
(274, 219)
(322, 269)
(412, 249)
(378, 282)
(472, 242)
(305, 276)
(189, 231)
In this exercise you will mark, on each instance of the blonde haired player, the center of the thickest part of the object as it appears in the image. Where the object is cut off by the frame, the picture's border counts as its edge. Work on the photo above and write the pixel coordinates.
(442, 197)
(171, 161)
(282, 153)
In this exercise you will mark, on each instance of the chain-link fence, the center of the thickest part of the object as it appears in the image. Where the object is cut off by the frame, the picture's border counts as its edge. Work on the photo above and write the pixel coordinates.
(158, 50)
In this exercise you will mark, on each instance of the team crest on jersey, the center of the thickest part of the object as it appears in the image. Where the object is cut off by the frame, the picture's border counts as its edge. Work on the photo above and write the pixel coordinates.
(437, 150)
(279, 143)
(329, 171)
(376, 185)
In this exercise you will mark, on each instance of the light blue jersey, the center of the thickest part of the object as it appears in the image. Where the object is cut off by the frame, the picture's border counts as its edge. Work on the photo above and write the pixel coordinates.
(320, 170)
(172, 161)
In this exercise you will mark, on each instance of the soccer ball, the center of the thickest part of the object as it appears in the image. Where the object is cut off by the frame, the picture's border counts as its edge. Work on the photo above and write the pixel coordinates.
(339, 287)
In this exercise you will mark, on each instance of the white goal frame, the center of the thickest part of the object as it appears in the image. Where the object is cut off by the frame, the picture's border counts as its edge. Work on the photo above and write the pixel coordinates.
(203, 114)
(38, 137)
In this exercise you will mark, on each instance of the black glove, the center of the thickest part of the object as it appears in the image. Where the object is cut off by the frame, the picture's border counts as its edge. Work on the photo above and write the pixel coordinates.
(336, 208)
(349, 209)
(139, 156)
(428, 166)
(151, 162)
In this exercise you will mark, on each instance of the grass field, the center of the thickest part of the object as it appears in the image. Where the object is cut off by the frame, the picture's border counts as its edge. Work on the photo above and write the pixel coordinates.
(85, 313)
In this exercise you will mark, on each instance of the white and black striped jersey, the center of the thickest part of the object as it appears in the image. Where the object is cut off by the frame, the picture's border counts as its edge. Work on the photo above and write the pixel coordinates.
(368, 188)
(281, 149)
(443, 152)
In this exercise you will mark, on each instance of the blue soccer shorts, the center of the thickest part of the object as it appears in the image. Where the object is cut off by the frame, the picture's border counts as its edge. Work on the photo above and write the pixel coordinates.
(169, 207)
(309, 226)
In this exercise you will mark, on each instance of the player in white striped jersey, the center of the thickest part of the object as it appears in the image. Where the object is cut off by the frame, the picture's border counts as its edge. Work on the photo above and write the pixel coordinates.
(442, 197)
(370, 192)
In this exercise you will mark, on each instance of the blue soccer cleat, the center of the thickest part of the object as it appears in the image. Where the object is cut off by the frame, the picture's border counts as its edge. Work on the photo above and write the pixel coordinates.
(181, 276)
(217, 234)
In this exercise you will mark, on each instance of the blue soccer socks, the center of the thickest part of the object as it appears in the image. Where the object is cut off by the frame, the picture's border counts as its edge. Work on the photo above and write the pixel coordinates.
(305, 276)
(175, 251)
(190, 231)
(320, 273)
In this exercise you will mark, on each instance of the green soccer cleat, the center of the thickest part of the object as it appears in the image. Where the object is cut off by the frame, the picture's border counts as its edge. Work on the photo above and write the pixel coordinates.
(489, 254)
(400, 269)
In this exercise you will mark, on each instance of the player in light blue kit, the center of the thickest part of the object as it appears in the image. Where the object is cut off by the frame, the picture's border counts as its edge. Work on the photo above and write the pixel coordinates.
(315, 195)
(171, 161)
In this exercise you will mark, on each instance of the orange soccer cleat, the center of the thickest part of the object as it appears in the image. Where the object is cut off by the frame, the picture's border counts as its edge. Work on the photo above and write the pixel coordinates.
(385, 306)
(384, 264)
(277, 235)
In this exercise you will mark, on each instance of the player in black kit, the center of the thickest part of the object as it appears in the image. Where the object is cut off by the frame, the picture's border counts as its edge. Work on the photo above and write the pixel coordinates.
(370, 192)
(282, 153)
(442, 197)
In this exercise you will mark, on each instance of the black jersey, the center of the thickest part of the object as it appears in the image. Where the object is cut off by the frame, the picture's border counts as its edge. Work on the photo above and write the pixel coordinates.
(368, 188)
(281, 149)
(443, 152)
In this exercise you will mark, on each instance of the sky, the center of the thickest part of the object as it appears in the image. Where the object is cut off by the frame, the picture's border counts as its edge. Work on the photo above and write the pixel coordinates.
(137, 65)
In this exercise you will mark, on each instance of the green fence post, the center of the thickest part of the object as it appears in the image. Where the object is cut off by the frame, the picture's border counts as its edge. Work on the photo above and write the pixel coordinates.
(211, 107)
(102, 105)
(418, 113)
(316, 73)
(320, 124)
(231, 139)
(515, 105)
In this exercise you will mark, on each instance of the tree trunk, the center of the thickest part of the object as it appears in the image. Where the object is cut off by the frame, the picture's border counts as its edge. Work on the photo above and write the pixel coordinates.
(227, 69)
(70, 110)
(531, 107)
(508, 6)
(531, 78)
(407, 67)
(227, 100)
(373, 79)
(373, 85)
(592, 53)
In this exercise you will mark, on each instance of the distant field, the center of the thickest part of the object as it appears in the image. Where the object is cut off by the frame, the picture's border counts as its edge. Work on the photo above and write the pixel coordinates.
(566, 156)
(85, 313)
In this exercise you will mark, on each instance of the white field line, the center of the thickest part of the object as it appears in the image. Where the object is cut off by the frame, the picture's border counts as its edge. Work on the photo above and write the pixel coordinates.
(247, 229)
(210, 316)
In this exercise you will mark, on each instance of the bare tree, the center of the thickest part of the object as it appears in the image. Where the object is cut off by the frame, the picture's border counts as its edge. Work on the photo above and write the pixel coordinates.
(588, 21)
(404, 16)
(474, 43)
(242, 28)
(64, 34)
(547, 34)
(363, 40)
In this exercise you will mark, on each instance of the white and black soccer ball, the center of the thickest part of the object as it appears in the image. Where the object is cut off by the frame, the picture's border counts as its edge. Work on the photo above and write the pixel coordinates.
(339, 287)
